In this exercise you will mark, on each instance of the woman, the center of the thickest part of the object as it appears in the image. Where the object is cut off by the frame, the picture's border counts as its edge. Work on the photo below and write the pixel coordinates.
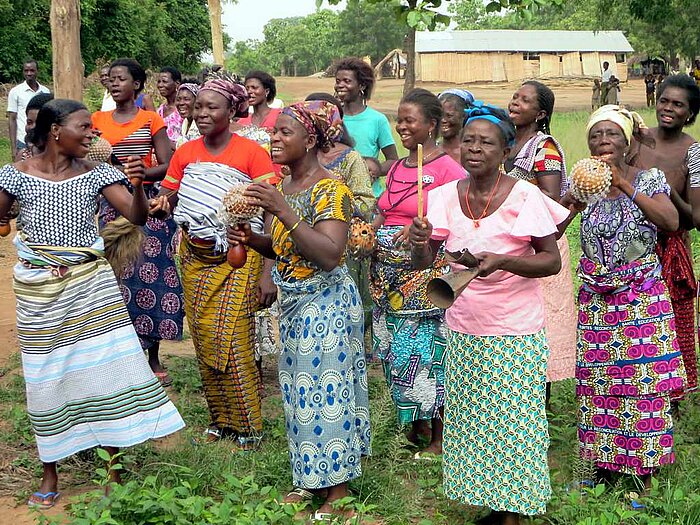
(220, 301)
(262, 89)
(538, 158)
(151, 288)
(168, 83)
(88, 383)
(413, 349)
(186, 96)
(354, 82)
(495, 449)
(454, 102)
(322, 368)
(627, 357)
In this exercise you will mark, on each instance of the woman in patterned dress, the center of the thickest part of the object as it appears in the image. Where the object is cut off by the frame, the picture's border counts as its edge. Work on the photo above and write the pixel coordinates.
(495, 445)
(628, 359)
(186, 97)
(88, 383)
(151, 287)
(538, 158)
(322, 368)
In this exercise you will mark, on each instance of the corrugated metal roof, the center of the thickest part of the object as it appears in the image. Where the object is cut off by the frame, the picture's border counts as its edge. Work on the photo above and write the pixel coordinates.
(521, 40)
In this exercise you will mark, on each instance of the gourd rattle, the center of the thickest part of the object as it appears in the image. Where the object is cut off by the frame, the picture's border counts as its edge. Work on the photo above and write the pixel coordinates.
(236, 209)
(590, 180)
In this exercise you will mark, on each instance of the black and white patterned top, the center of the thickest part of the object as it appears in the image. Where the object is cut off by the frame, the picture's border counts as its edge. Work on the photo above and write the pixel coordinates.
(59, 213)
(692, 160)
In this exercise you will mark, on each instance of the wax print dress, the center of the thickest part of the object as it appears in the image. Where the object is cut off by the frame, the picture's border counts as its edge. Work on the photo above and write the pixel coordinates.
(173, 123)
(322, 370)
(495, 438)
(88, 382)
(628, 360)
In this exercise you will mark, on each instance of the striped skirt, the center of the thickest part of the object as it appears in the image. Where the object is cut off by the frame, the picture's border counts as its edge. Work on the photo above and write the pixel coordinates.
(88, 381)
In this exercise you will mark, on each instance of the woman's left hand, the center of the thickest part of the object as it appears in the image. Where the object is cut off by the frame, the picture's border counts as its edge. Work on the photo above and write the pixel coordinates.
(488, 263)
(267, 291)
(159, 207)
(268, 197)
(400, 238)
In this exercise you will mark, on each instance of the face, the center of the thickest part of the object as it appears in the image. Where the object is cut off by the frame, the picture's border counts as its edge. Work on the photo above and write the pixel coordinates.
(122, 85)
(452, 119)
(166, 85)
(673, 108)
(29, 71)
(523, 108)
(104, 77)
(257, 94)
(412, 126)
(483, 148)
(184, 102)
(75, 135)
(606, 139)
(289, 140)
(347, 88)
(31, 120)
(212, 113)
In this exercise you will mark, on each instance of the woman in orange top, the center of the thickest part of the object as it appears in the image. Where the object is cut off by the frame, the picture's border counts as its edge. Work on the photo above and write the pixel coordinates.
(151, 288)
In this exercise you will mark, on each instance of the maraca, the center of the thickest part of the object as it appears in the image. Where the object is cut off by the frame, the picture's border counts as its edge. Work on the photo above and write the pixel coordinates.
(590, 180)
(236, 209)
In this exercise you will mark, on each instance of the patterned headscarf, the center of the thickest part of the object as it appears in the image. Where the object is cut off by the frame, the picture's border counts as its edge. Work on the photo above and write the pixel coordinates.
(319, 118)
(192, 88)
(631, 122)
(480, 110)
(235, 93)
(461, 93)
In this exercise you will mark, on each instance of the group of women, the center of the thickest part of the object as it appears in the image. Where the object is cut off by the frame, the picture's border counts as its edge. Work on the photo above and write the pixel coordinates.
(470, 382)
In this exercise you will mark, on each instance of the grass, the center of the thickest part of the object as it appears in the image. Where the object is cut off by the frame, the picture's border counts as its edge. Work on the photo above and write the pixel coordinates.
(395, 489)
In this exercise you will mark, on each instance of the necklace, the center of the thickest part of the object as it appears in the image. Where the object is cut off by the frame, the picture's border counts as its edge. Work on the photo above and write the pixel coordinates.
(426, 158)
(488, 202)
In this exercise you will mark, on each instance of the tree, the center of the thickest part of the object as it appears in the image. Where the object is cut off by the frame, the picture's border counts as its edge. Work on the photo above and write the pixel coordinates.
(65, 41)
(369, 29)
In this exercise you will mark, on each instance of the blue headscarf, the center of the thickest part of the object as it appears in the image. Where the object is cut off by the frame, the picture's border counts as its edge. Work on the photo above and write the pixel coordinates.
(494, 114)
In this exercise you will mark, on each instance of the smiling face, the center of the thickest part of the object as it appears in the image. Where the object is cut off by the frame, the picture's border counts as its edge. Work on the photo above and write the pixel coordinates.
(673, 108)
(75, 134)
(289, 140)
(483, 147)
(104, 77)
(123, 87)
(347, 88)
(257, 94)
(412, 126)
(184, 102)
(212, 113)
(523, 108)
(452, 119)
(606, 139)
(167, 87)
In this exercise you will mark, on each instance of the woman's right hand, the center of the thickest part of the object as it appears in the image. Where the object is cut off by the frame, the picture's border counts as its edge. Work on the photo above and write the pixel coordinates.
(135, 170)
(571, 203)
(420, 232)
(240, 234)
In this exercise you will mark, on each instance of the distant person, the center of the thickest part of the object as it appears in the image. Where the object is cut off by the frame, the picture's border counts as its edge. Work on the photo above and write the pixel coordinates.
(354, 83)
(650, 86)
(695, 72)
(108, 103)
(169, 80)
(186, 97)
(613, 92)
(454, 104)
(35, 104)
(595, 96)
(605, 82)
(17, 101)
(262, 89)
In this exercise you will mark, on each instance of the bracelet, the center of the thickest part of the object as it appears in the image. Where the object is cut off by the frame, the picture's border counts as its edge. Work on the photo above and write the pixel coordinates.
(296, 225)
(634, 194)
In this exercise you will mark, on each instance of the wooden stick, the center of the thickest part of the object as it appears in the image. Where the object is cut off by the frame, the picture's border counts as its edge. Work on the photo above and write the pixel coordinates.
(420, 181)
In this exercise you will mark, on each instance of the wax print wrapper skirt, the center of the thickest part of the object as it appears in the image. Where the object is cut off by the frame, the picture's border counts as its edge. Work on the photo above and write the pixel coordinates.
(88, 382)
(323, 378)
(495, 438)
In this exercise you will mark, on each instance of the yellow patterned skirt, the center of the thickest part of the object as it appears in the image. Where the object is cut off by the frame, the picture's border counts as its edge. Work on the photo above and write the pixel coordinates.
(220, 305)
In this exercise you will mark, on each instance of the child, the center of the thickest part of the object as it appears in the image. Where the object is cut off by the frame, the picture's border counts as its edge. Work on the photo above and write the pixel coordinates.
(595, 97)
(650, 83)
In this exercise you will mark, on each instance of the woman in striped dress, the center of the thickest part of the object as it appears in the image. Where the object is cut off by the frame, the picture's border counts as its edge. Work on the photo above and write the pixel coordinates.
(151, 288)
(88, 383)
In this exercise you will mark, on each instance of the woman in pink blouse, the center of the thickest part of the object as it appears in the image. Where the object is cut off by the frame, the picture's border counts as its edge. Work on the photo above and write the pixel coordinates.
(495, 443)
(409, 329)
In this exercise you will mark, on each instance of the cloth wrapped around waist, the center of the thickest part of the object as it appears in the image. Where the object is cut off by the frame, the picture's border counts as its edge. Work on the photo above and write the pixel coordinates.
(676, 264)
(638, 276)
(35, 257)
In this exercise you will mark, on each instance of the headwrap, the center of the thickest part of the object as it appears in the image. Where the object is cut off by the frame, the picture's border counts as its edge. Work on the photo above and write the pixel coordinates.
(494, 114)
(631, 122)
(461, 93)
(234, 92)
(319, 118)
(192, 88)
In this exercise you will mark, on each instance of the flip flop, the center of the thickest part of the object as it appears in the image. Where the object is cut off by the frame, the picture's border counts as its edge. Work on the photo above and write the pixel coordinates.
(48, 500)
(304, 496)
(164, 378)
(427, 456)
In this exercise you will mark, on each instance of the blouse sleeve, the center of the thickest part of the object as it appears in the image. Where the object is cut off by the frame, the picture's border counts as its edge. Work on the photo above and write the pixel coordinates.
(360, 183)
(260, 166)
(176, 168)
(693, 162)
(538, 216)
(547, 158)
(331, 200)
(106, 175)
(437, 210)
(652, 182)
(157, 123)
(11, 179)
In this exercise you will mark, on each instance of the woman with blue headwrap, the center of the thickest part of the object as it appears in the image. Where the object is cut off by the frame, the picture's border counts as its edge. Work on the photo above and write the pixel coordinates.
(495, 438)
(455, 104)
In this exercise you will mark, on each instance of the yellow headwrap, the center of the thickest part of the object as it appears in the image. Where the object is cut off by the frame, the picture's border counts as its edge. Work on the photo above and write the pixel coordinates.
(630, 121)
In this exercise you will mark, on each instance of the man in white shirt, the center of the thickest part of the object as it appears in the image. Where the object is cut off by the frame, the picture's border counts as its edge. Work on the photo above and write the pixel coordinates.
(17, 101)
(108, 103)
(605, 83)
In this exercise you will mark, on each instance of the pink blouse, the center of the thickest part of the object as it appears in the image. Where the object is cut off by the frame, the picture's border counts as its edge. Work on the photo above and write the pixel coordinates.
(399, 203)
(501, 303)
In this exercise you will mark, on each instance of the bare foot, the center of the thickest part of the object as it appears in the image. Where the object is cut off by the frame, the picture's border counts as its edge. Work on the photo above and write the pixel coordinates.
(420, 431)
(433, 448)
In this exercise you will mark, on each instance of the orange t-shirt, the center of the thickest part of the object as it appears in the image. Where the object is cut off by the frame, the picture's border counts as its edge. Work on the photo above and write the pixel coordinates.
(130, 138)
(242, 154)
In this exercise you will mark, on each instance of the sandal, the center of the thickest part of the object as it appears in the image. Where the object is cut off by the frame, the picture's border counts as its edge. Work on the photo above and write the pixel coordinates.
(246, 444)
(301, 495)
(209, 436)
(46, 501)
(164, 378)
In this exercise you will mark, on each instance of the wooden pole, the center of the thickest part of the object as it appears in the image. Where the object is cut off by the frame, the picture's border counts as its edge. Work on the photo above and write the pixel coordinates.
(420, 181)
(217, 35)
(67, 61)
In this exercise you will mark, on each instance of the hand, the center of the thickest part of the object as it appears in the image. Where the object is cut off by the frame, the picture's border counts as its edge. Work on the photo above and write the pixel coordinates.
(571, 203)
(268, 197)
(400, 238)
(488, 263)
(267, 291)
(617, 178)
(135, 170)
(159, 207)
(239, 234)
(419, 232)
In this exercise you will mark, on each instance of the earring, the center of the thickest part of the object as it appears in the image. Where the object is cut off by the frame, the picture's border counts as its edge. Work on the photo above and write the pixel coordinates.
(430, 135)
(56, 137)
(307, 150)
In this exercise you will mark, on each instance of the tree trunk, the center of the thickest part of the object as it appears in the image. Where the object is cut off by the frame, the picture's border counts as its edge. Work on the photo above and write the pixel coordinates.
(65, 43)
(217, 35)
(410, 81)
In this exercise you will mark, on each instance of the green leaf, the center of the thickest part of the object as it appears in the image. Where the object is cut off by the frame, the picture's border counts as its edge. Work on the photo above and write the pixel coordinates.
(103, 454)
